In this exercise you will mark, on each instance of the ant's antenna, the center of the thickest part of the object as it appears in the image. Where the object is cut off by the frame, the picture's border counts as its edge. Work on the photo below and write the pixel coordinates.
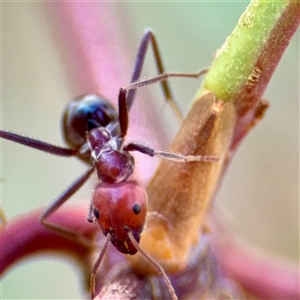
(155, 265)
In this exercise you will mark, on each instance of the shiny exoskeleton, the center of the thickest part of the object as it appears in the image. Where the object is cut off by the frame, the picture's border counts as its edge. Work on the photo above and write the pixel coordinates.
(91, 126)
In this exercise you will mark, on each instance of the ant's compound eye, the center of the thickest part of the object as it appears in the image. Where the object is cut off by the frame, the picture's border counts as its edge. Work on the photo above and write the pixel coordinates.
(96, 214)
(84, 113)
(136, 209)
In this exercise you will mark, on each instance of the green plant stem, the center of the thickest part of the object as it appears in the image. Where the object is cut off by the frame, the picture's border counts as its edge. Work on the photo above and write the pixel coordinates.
(251, 53)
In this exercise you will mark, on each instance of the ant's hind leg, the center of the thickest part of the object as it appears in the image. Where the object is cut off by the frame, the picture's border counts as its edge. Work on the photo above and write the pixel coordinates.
(126, 102)
(37, 144)
(123, 108)
(150, 38)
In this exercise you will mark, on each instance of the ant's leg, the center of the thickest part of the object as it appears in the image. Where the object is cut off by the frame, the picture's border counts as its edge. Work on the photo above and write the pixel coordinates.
(147, 38)
(125, 104)
(168, 155)
(66, 194)
(96, 266)
(122, 99)
(205, 132)
(36, 144)
(159, 78)
(123, 108)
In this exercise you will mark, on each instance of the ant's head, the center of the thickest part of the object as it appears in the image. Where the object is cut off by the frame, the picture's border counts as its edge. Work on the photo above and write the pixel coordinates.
(118, 209)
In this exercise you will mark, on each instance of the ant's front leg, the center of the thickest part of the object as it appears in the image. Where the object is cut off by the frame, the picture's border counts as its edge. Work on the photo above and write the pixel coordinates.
(62, 198)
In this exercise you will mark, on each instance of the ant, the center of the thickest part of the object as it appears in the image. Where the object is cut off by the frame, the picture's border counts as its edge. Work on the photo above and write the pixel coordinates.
(95, 132)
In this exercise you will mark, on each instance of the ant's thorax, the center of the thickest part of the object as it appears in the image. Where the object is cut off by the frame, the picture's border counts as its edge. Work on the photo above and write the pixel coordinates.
(112, 164)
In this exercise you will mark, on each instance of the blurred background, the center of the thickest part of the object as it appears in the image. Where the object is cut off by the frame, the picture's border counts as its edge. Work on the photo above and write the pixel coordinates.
(259, 198)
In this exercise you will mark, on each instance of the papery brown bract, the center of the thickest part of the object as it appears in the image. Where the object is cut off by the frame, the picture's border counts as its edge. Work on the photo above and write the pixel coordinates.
(181, 194)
